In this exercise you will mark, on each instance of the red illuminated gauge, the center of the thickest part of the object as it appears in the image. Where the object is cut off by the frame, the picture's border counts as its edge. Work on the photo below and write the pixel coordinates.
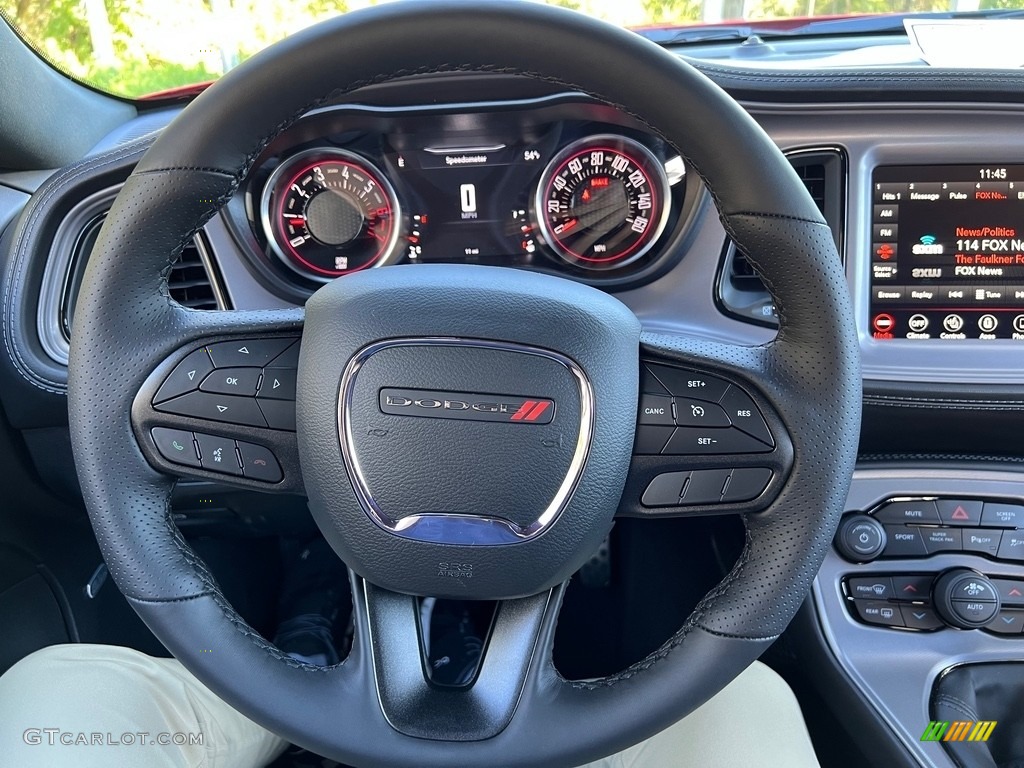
(328, 212)
(602, 202)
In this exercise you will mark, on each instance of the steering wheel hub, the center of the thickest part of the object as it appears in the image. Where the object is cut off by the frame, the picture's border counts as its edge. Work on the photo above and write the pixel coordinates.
(442, 432)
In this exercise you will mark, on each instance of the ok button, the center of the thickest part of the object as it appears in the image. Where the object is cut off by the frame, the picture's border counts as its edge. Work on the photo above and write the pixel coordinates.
(656, 409)
(232, 381)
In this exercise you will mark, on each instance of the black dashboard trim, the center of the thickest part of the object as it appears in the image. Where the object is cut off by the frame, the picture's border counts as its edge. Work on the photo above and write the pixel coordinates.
(870, 84)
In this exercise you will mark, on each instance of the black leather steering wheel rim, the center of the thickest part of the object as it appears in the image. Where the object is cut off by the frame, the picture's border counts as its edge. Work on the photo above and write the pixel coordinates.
(126, 324)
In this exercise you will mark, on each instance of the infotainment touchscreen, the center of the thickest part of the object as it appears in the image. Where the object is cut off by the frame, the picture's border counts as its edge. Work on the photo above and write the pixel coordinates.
(947, 252)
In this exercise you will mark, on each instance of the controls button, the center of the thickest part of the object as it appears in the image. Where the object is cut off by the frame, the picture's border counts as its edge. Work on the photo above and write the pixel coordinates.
(278, 384)
(913, 587)
(959, 511)
(860, 538)
(1002, 515)
(232, 381)
(205, 405)
(885, 614)
(747, 483)
(186, 376)
(289, 358)
(665, 490)
(259, 463)
(175, 445)
(953, 323)
(1008, 622)
(981, 540)
(904, 542)
(908, 512)
(218, 454)
(280, 414)
(698, 413)
(655, 409)
(246, 353)
(689, 441)
(977, 612)
(650, 440)
(870, 587)
(685, 383)
(942, 540)
(705, 486)
(1011, 546)
(1011, 591)
(744, 414)
(920, 617)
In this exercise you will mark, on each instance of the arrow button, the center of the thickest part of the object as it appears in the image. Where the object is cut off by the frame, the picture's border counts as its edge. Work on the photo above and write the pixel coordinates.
(247, 352)
(278, 384)
(186, 376)
(205, 405)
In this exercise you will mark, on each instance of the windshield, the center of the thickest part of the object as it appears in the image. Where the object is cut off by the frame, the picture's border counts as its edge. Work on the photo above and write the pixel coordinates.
(135, 48)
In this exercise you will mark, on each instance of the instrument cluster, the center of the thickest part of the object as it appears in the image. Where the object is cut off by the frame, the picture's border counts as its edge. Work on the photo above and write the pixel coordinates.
(559, 185)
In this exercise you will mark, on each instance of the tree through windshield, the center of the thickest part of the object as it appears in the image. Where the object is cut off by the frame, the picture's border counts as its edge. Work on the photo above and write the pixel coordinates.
(137, 47)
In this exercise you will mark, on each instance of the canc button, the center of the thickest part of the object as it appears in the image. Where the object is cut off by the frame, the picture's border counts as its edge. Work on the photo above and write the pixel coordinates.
(655, 409)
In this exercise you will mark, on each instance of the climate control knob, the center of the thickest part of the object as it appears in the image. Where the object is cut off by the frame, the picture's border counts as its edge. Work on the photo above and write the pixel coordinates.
(965, 599)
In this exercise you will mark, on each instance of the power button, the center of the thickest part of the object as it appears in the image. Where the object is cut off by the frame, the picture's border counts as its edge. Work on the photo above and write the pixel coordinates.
(860, 538)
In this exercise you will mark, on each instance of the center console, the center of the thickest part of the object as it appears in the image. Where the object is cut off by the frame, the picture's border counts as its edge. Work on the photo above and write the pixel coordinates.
(926, 574)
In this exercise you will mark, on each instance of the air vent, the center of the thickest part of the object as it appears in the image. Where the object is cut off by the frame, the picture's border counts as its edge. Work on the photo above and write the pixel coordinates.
(193, 281)
(189, 281)
(740, 291)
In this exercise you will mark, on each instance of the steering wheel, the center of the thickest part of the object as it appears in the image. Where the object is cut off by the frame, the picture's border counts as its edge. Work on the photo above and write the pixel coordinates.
(485, 507)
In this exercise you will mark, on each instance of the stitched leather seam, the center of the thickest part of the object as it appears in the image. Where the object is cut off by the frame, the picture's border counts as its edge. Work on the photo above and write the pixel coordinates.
(955, 702)
(942, 400)
(876, 77)
(776, 216)
(942, 406)
(981, 458)
(54, 186)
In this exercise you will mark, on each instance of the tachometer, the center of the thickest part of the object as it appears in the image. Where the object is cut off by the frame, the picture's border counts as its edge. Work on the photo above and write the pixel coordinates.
(328, 212)
(602, 202)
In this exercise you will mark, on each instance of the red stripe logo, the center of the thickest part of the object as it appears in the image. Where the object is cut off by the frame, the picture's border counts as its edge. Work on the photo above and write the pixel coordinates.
(531, 410)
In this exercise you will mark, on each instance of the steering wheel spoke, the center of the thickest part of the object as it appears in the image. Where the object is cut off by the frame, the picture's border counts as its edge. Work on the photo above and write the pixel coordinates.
(222, 405)
(414, 704)
(708, 439)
